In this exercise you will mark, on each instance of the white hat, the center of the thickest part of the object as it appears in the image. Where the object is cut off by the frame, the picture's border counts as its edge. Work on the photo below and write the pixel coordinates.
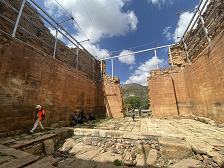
(38, 106)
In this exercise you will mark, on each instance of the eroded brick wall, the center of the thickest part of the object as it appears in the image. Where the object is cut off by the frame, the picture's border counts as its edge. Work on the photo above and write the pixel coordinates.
(29, 78)
(205, 81)
(197, 89)
(110, 96)
(162, 97)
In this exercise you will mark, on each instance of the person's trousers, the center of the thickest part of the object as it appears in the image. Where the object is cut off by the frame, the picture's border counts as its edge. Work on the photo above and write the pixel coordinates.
(85, 118)
(36, 124)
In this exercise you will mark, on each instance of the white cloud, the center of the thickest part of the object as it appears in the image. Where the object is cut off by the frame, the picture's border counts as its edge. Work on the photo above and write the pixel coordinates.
(133, 20)
(183, 22)
(160, 2)
(109, 22)
(167, 34)
(140, 75)
(131, 67)
(130, 59)
(53, 32)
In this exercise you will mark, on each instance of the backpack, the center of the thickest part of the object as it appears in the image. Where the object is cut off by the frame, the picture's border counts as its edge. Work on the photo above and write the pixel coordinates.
(43, 116)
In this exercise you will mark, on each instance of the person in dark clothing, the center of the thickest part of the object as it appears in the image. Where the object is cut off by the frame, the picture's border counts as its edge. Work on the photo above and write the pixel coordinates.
(132, 113)
(76, 118)
(91, 116)
(81, 115)
(140, 110)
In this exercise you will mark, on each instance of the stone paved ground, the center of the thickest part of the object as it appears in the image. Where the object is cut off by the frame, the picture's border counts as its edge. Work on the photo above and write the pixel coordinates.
(166, 143)
(139, 143)
(187, 128)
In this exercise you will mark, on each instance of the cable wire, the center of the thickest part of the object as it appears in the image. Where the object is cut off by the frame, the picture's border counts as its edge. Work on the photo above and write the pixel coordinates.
(177, 17)
(89, 17)
(63, 8)
(133, 47)
(99, 9)
(77, 25)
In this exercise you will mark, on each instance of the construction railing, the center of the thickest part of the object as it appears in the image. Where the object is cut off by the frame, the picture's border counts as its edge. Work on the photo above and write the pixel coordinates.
(203, 27)
(26, 21)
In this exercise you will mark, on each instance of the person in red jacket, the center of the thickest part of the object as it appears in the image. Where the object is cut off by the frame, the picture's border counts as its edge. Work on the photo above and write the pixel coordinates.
(39, 116)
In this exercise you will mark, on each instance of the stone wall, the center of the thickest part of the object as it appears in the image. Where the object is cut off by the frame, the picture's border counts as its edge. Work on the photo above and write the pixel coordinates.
(43, 40)
(110, 94)
(196, 89)
(29, 77)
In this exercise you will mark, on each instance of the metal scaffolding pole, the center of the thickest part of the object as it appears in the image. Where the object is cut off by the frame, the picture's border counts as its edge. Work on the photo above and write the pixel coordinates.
(55, 42)
(101, 67)
(138, 52)
(156, 56)
(93, 68)
(18, 18)
(112, 66)
(171, 56)
(77, 56)
(203, 25)
(185, 46)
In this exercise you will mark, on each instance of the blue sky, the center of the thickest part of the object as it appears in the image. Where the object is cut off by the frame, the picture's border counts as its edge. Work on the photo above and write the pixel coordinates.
(124, 26)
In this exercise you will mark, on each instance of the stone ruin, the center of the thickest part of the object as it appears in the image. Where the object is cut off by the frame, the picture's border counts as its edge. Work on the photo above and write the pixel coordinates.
(193, 87)
(182, 132)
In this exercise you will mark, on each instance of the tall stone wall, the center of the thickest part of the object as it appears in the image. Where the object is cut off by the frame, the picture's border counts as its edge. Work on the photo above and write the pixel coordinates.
(29, 78)
(198, 85)
(196, 89)
(110, 95)
(205, 81)
(162, 105)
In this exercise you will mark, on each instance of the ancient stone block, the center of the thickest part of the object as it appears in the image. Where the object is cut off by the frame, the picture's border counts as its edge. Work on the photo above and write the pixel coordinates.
(172, 148)
(48, 146)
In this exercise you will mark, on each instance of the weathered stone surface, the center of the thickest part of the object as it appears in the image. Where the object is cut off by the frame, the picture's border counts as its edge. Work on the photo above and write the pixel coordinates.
(14, 152)
(199, 146)
(3, 147)
(172, 148)
(48, 146)
(69, 144)
(21, 161)
(215, 142)
(180, 91)
(5, 159)
(151, 157)
(141, 160)
(187, 163)
(36, 149)
(45, 162)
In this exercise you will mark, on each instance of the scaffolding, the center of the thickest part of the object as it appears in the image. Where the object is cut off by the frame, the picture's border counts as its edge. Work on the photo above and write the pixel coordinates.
(31, 28)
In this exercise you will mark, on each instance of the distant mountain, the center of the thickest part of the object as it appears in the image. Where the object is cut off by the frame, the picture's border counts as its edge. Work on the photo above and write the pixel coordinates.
(134, 89)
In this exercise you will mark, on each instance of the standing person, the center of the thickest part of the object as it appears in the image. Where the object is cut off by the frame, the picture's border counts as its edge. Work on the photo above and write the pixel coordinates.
(82, 115)
(39, 116)
(132, 113)
(140, 110)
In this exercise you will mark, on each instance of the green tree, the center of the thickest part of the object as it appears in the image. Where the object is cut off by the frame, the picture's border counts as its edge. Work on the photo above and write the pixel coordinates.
(127, 106)
(145, 104)
(133, 100)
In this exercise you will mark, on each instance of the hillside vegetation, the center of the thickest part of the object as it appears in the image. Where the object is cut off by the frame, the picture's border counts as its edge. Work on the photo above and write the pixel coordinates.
(134, 89)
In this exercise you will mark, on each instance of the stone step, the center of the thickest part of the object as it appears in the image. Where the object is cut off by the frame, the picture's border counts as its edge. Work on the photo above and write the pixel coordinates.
(20, 162)
(45, 162)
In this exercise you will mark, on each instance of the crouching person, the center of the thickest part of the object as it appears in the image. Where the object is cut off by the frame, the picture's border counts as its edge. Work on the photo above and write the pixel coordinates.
(76, 118)
(39, 116)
